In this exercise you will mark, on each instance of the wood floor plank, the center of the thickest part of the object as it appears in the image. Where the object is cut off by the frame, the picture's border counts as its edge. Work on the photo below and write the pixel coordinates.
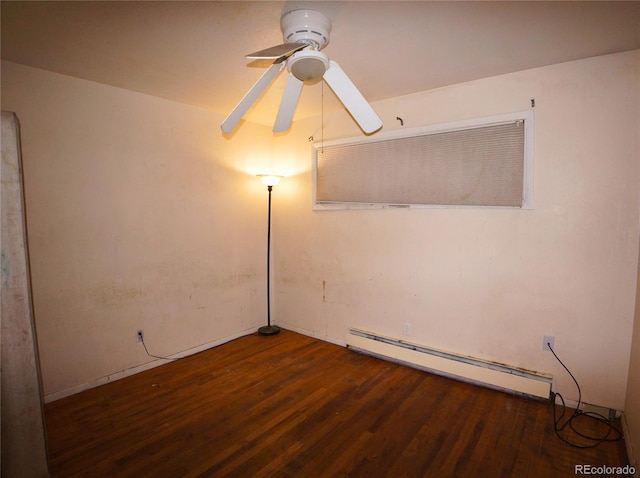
(292, 406)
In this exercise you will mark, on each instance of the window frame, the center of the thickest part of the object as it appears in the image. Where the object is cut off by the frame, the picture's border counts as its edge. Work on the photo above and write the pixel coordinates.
(528, 161)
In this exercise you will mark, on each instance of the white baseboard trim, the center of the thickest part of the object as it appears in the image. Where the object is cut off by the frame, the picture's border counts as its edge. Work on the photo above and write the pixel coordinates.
(52, 397)
(310, 333)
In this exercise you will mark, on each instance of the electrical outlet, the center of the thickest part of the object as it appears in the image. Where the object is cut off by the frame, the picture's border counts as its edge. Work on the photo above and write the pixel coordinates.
(548, 340)
(407, 329)
(140, 335)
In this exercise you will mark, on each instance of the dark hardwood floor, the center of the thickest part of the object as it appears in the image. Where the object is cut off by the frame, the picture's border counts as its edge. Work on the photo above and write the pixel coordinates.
(293, 406)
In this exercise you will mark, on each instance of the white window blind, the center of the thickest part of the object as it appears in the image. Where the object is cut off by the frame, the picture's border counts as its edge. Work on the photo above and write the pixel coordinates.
(479, 165)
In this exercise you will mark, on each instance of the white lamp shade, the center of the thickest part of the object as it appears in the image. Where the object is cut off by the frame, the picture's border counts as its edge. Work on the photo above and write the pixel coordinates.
(270, 179)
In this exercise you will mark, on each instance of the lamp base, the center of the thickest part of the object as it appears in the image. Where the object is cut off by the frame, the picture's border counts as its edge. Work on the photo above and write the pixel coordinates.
(269, 330)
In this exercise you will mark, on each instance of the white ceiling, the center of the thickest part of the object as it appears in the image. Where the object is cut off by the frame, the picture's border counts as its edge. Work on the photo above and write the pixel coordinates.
(193, 52)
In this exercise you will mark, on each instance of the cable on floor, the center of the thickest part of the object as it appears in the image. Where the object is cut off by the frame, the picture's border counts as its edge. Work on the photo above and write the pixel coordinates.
(612, 434)
(157, 356)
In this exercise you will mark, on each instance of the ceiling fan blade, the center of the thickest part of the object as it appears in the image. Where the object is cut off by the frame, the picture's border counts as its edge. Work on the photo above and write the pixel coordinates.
(288, 104)
(251, 96)
(285, 49)
(352, 99)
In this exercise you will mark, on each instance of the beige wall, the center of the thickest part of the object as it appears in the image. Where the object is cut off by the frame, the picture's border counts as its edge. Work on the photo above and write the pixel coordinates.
(490, 283)
(632, 403)
(140, 216)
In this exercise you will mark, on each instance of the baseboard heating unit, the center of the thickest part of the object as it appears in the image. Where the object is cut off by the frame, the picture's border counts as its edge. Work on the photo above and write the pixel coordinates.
(482, 372)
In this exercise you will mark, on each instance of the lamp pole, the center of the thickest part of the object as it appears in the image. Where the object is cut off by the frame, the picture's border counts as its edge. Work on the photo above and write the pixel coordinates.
(269, 329)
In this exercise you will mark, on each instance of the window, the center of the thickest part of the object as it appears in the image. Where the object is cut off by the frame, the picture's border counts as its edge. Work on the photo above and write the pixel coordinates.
(484, 162)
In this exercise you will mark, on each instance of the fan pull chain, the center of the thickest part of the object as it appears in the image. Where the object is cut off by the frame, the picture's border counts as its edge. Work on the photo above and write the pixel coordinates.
(322, 117)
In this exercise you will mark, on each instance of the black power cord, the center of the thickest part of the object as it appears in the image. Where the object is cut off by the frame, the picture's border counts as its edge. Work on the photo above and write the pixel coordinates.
(612, 434)
(156, 356)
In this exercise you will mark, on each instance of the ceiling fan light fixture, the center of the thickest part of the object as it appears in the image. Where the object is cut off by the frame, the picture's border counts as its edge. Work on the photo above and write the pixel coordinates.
(308, 65)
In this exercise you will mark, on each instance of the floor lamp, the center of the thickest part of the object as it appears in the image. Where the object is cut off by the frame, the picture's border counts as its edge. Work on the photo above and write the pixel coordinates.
(269, 181)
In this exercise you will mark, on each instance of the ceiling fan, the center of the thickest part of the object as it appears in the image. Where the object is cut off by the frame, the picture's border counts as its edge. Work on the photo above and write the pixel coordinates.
(305, 33)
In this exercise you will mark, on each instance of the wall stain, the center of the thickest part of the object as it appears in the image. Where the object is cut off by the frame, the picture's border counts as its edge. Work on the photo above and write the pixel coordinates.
(6, 270)
(111, 295)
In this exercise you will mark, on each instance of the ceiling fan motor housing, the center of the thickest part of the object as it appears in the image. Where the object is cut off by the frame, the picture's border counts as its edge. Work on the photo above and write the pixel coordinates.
(306, 26)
